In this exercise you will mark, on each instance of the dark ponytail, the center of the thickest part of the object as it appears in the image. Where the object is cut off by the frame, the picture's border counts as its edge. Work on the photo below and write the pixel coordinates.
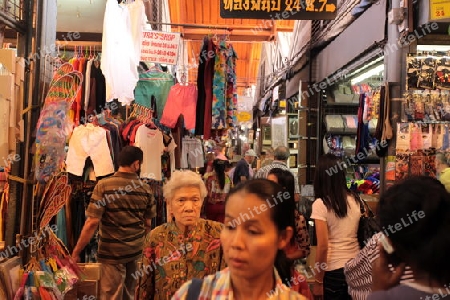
(220, 166)
(283, 266)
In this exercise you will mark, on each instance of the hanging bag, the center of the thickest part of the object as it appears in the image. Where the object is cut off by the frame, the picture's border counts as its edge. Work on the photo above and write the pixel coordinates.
(368, 225)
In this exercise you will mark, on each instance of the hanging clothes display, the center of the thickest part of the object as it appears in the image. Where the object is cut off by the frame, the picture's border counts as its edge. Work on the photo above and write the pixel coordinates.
(89, 141)
(204, 85)
(141, 131)
(54, 124)
(224, 87)
(95, 89)
(119, 54)
(151, 143)
(153, 83)
(217, 87)
(182, 99)
(192, 154)
(231, 91)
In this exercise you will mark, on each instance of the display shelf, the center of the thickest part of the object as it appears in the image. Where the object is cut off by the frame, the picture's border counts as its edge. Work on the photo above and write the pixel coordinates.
(340, 104)
(368, 161)
(334, 132)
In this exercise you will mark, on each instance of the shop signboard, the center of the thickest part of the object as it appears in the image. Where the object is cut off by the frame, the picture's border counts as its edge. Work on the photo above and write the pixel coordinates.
(160, 47)
(279, 9)
(439, 9)
(244, 113)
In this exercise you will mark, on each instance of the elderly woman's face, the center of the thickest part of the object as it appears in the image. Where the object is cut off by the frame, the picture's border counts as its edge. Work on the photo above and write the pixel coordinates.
(186, 205)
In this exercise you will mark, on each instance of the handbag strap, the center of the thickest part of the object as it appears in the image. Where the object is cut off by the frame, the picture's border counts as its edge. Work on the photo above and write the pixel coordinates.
(364, 207)
(194, 289)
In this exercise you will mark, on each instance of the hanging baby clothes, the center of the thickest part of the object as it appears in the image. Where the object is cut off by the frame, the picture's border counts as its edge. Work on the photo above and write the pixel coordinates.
(153, 83)
(182, 99)
(119, 61)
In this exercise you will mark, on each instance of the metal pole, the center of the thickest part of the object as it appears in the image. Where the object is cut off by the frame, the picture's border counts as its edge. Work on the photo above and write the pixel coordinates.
(31, 120)
(16, 205)
(393, 66)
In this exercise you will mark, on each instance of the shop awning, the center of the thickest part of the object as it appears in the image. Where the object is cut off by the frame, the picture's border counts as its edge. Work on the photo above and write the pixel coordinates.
(360, 36)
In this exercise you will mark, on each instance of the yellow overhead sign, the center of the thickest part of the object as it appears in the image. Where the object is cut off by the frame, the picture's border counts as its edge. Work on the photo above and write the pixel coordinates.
(439, 9)
(279, 9)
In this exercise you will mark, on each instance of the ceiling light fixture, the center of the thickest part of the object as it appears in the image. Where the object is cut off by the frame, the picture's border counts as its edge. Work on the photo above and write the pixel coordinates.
(372, 72)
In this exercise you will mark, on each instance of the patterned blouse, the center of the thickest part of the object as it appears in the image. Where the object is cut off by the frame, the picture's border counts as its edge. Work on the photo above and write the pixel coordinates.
(171, 258)
(218, 287)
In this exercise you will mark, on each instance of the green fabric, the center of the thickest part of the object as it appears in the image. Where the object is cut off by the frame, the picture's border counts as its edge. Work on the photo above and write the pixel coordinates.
(157, 84)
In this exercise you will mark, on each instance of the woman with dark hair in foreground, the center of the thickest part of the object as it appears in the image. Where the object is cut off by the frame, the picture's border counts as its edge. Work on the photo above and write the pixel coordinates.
(257, 229)
(414, 215)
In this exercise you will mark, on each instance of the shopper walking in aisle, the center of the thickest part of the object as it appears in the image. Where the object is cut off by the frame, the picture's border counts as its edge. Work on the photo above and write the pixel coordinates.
(123, 207)
(336, 213)
(243, 170)
(281, 155)
(298, 246)
(258, 227)
(184, 248)
(443, 169)
(218, 185)
(420, 205)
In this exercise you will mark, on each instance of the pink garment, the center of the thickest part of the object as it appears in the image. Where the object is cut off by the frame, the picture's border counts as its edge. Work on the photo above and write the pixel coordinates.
(89, 141)
(416, 139)
(182, 99)
(351, 122)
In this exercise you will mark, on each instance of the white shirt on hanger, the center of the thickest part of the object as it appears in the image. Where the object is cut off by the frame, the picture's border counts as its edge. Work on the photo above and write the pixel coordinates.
(151, 143)
(119, 62)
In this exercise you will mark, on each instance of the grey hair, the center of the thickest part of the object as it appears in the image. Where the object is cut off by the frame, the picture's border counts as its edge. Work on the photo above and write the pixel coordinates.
(281, 153)
(180, 179)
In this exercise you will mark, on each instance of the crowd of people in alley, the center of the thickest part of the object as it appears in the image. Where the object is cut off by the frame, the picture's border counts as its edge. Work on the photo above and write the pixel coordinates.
(235, 232)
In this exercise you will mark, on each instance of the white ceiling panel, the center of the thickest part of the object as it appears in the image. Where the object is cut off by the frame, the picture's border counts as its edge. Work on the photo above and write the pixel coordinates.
(80, 15)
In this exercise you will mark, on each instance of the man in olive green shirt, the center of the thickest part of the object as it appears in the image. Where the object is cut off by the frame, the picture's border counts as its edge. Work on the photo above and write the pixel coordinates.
(122, 205)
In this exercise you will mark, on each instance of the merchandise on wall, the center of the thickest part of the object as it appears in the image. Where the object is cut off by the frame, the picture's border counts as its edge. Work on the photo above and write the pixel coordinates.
(424, 127)
(351, 111)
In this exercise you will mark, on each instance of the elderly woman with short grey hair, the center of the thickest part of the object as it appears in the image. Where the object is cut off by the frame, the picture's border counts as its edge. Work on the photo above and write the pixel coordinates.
(185, 247)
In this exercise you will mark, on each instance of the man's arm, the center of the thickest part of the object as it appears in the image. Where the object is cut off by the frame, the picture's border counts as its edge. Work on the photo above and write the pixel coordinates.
(87, 233)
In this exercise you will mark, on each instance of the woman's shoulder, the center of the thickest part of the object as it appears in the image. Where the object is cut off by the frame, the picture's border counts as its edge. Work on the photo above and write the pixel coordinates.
(400, 291)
